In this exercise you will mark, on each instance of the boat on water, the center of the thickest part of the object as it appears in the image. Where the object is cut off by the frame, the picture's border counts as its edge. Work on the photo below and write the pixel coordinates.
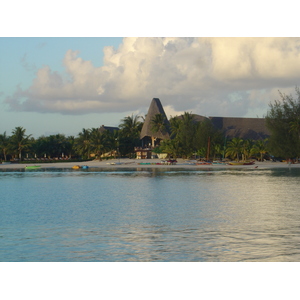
(76, 167)
(219, 163)
(241, 163)
(32, 167)
(149, 163)
(203, 163)
(85, 167)
(163, 162)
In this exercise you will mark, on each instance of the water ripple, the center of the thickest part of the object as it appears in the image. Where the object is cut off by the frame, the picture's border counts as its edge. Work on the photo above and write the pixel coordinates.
(150, 215)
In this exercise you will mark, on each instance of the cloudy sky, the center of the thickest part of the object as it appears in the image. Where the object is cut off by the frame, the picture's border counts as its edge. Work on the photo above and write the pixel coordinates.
(58, 84)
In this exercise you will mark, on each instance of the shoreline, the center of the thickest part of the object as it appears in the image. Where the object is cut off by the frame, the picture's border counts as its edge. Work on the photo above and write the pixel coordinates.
(134, 163)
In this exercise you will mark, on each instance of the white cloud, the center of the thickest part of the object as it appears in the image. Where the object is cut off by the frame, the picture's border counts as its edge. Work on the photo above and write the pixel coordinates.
(171, 112)
(208, 76)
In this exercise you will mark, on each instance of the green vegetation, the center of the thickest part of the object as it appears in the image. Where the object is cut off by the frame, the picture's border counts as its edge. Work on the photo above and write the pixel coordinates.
(234, 148)
(283, 120)
(129, 135)
(88, 144)
(19, 141)
(4, 144)
(188, 138)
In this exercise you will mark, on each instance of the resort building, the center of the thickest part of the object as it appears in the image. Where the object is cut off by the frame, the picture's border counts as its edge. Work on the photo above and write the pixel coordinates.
(245, 128)
(109, 128)
(143, 153)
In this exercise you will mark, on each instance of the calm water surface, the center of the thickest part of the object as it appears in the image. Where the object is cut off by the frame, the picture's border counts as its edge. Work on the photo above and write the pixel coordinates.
(150, 215)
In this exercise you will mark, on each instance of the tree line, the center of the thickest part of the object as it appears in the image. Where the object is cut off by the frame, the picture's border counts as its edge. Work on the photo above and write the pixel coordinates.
(20, 146)
(187, 138)
(202, 139)
(283, 120)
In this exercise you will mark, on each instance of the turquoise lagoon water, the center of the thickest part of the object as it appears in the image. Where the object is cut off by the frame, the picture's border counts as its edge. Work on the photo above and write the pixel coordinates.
(150, 215)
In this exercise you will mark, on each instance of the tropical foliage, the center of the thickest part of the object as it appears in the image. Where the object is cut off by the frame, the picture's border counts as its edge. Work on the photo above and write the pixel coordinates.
(51, 146)
(129, 135)
(19, 141)
(158, 124)
(261, 148)
(188, 138)
(283, 120)
(234, 148)
(99, 142)
(83, 143)
(4, 144)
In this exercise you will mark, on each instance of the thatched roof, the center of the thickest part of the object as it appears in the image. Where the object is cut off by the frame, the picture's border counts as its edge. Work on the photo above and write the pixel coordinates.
(245, 128)
(155, 108)
(110, 129)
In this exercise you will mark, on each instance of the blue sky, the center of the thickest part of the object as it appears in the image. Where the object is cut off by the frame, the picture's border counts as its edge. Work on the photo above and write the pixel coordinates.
(19, 61)
(61, 85)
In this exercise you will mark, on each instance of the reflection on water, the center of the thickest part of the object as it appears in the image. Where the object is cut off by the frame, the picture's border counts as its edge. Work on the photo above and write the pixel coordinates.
(150, 215)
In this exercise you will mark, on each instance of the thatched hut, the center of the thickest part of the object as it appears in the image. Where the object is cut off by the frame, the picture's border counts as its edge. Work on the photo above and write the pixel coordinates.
(147, 133)
(245, 128)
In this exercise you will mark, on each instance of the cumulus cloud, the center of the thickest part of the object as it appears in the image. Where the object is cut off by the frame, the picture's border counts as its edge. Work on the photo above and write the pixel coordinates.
(208, 76)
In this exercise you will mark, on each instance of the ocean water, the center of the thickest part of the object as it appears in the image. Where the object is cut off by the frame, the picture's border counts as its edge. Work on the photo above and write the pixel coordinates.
(141, 215)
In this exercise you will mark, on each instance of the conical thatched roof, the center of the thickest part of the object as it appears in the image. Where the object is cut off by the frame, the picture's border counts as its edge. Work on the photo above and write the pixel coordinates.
(155, 108)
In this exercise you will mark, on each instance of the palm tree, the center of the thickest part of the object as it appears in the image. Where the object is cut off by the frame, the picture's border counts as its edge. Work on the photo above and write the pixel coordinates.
(83, 142)
(187, 134)
(217, 150)
(99, 142)
(71, 146)
(19, 140)
(170, 147)
(4, 144)
(158, 125)
(234, 148)
(202, 152)
(129, 135)
(113, 142)
(247, 149)
(261, 148)
(131, 126)
(175, 124)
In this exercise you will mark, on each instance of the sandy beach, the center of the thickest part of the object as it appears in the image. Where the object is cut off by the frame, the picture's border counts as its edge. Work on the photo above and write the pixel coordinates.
(151, 163)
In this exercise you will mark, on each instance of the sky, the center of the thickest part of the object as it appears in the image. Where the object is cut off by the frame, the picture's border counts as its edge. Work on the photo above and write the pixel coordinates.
(61, 84)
